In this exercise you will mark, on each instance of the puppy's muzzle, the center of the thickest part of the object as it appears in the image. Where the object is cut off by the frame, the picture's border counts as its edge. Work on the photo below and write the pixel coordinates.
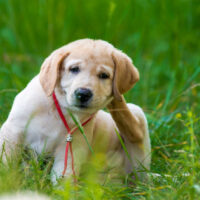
(83, 96)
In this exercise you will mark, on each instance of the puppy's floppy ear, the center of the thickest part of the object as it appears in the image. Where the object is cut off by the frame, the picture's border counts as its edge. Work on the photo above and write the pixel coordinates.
(49, 72)
(125, 74)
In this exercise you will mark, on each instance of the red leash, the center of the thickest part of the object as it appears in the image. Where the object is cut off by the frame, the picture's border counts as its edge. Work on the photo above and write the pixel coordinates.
(69, 135)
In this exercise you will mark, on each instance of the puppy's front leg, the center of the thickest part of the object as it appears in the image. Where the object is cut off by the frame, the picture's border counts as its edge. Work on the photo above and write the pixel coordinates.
(126, 122)
(59, 164)
(10, 136)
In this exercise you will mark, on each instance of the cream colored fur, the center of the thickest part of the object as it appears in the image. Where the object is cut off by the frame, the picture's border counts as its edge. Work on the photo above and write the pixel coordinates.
(34, 121)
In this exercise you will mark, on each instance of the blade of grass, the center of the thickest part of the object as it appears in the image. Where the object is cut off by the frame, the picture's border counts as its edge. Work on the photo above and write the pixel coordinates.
(169, 93)
(189, 81)
(78, 124)
(123, 145)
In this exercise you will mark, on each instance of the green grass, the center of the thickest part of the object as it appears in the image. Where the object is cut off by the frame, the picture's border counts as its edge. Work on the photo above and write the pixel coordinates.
(162, 37)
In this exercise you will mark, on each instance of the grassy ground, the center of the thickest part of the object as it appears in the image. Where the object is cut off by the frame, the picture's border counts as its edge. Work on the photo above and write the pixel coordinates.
(162, 37)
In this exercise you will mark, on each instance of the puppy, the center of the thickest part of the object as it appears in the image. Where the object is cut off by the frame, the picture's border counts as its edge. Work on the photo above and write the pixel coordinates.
(86, 76)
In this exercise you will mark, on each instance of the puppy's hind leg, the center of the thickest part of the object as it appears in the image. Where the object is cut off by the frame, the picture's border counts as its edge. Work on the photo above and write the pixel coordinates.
(140, 152)
(133, 128)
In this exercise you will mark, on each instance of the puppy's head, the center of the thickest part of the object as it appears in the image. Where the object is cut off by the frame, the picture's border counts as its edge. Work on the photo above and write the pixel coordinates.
(90, 73)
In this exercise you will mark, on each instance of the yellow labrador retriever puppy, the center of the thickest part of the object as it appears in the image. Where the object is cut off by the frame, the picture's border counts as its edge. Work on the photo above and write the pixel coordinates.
(85, 76)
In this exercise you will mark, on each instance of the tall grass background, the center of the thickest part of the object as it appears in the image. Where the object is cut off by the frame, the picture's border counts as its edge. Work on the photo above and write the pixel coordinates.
(162, 38)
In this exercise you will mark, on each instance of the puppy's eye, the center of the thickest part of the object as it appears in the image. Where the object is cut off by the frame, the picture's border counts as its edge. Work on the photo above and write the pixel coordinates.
(103, 76)
(74, 69)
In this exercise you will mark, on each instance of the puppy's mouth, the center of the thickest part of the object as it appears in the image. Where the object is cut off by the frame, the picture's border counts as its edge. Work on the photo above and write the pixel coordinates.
(82, 106)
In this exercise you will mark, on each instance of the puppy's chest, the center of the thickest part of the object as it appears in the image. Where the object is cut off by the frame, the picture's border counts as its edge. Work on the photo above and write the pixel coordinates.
(46, 131)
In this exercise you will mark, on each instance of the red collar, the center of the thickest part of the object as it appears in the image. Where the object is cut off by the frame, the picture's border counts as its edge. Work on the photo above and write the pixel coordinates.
(69, 135)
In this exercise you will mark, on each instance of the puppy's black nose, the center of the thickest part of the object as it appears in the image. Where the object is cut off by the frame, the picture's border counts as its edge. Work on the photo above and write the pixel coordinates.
(83, 95)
